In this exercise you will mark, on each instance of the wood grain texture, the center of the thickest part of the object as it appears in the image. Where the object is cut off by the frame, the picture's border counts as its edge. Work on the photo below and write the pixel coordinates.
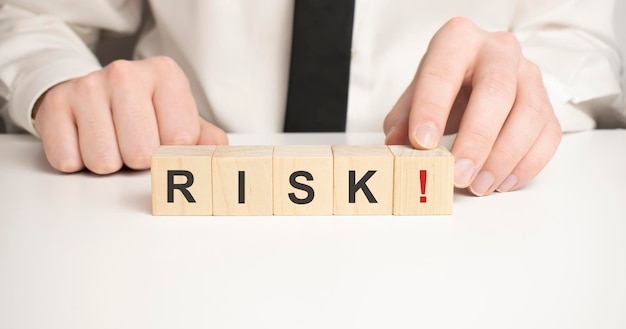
(363, 180)
(190, 159)
(310, 169)
(302, 180)
(411, 168)
(255, 195)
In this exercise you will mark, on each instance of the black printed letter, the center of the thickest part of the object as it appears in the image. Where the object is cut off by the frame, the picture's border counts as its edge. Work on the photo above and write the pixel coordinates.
(353, 188)
(182, 187)
(242, 187)
(300, 186)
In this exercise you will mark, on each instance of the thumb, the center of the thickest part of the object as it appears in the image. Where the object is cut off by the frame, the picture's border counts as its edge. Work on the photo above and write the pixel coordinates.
(211, 134)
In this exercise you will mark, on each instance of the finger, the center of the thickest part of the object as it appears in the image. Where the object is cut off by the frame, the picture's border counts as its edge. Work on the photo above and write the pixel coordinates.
(133, 115)
(536, 159)
(438, 80)
(57, 128)
(494, 84)
(458, 109)
(176, 112)
(396, 123)
(525, 123)
(96, 131)
(211, 134)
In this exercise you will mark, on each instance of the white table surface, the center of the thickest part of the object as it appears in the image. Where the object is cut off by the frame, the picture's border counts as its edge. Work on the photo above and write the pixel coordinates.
(83, 251)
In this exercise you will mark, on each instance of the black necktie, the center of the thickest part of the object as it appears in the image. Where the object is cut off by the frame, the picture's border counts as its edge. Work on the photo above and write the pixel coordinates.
(319, 73)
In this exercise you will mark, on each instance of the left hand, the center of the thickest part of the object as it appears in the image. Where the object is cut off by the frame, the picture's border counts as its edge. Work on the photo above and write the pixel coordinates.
(479, 85)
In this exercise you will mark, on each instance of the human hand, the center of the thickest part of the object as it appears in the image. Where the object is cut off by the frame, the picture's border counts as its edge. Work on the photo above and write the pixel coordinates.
(479, 85)
(120, 115)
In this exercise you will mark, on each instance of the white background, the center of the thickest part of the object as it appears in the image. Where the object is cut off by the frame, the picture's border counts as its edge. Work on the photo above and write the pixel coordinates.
(83, 251)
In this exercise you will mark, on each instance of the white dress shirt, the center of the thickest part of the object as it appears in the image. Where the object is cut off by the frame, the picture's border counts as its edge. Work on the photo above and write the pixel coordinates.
(236, 53)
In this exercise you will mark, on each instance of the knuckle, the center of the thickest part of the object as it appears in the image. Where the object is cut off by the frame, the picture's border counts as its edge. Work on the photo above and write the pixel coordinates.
(441, 76)
(439, 73)
(536, 102)
(61, 157)
(537, 107)
(555, 132)
(121, 74)
(532, 69)
(66, 165)
(460, 24)
(164, 64)
(105, 167)
(508, 154)
(120, 65)
(389, 122)
(507, 40)
(500, 82)
(104, 164)
(138, 160)
(186, 132)
(534, 162)
(182, 138)
(89, 85)
(138, 156)
(163, 61)
(212, 135)
(221, 138)
(480, 138)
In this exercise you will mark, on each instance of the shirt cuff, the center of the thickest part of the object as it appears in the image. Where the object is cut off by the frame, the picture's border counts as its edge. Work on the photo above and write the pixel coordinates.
(570, 117)
(30, 86)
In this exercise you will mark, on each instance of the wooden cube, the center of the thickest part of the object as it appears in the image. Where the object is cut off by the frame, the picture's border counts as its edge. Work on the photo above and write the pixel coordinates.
(423, 181)
(363, 180)
(242, 180)
(303, 180)
(181, 180)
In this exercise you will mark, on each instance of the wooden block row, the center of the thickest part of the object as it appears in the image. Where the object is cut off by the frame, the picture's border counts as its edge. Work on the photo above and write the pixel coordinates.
(301, 180)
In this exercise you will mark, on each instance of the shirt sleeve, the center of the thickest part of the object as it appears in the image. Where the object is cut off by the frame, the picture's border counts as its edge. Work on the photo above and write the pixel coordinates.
(573, 43)
(44, 43)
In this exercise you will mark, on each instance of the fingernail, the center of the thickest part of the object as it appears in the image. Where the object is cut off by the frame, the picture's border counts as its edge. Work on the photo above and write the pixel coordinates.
(508, 184)
(463, 172)
(482, 184)
(426, 136)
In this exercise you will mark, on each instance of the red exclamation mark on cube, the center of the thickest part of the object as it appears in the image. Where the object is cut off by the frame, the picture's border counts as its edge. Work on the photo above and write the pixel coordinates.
(423, 186)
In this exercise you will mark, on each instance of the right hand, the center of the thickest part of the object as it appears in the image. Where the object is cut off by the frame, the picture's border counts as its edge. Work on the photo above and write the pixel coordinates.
(479, 84)
(120, 115)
